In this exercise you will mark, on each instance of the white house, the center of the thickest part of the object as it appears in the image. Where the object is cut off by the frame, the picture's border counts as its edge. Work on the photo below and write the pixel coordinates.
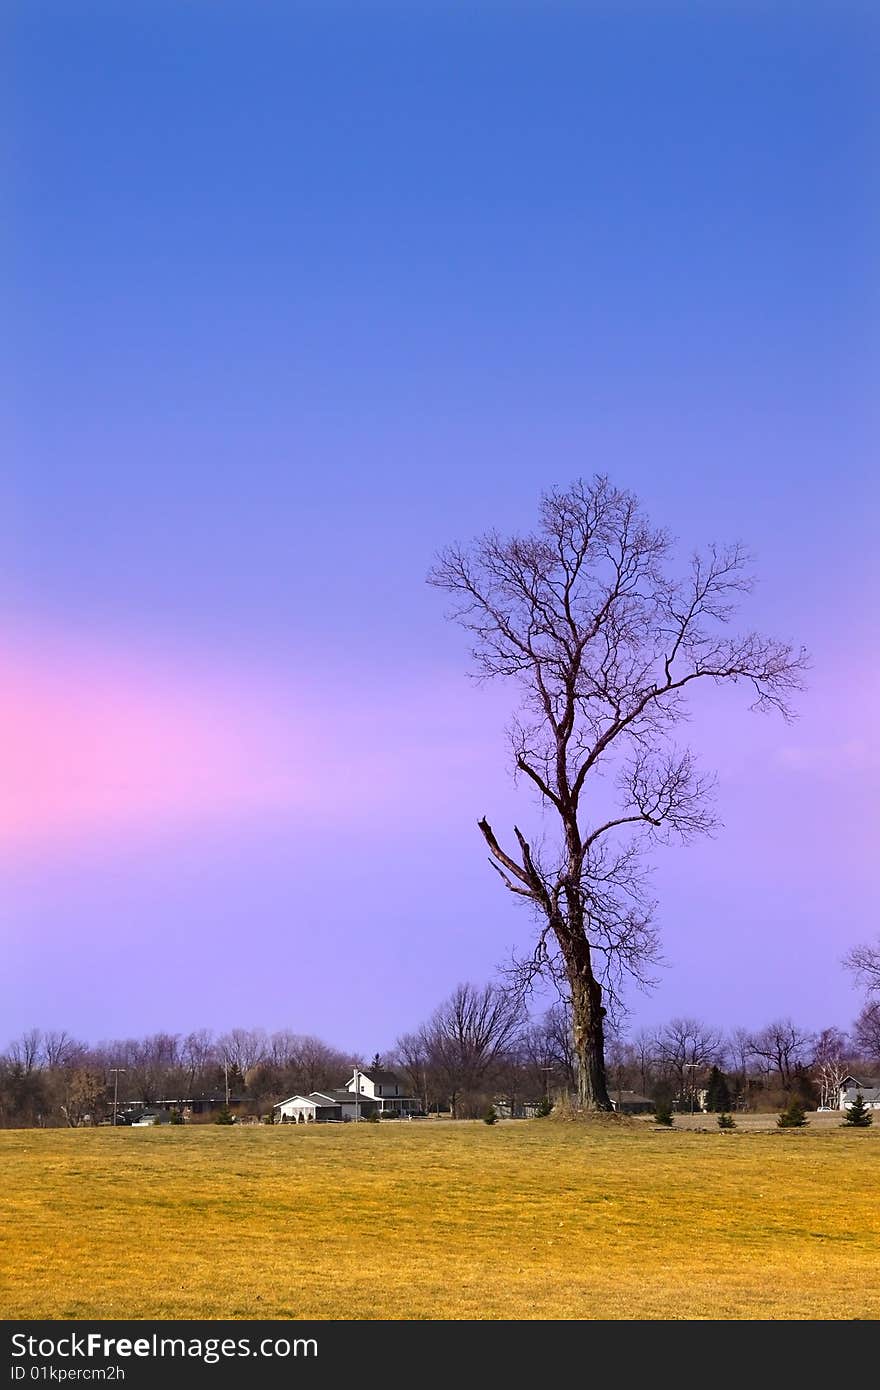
(323, 1106)
(386, 1088)
(869, 1090)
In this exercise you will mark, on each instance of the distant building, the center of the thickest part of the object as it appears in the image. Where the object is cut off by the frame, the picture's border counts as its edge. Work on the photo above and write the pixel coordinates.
(321, 1107)
(389, 1089)
(383, 1093)
(631, 1103)
(199, 1106)
(507, 1109)
(869, 1090)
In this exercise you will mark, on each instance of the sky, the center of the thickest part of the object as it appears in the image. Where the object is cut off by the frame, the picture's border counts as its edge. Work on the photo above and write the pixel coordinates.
(295, 294)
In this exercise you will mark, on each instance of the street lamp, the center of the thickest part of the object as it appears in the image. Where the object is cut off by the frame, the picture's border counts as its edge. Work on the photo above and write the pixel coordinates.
(115, 1072)
(692, 1067)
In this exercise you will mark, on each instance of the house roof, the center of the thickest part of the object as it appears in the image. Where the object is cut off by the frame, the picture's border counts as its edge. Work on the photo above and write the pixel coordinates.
(383, 1078)
(347, 1097)
(870, 1094)
(324, 1098)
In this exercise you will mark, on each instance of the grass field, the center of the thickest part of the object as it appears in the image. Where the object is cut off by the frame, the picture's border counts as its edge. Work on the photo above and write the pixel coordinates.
(538, 1219)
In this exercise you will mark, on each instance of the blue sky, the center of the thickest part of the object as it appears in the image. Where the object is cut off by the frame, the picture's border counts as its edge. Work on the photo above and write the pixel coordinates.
(298, 293)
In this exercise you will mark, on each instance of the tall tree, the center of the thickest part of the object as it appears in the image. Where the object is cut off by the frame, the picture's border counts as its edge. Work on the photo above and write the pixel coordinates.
(782, 1046)
(864, 962)
(830, 1066)
(866, 1031)
(605, 643)
(470, 1034)
(684, 1047)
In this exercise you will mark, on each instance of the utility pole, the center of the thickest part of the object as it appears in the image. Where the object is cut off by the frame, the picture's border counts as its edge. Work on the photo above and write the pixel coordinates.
(692, 1067)
(114, 1072)
(547, 1071)
(226, 1079)
(357, 1101)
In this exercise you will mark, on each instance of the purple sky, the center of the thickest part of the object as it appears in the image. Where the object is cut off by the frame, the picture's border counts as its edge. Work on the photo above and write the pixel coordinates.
(299, 293)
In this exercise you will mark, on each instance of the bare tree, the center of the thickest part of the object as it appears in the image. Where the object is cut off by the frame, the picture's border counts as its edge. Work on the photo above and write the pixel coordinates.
(549, 1049)
(85, 1097)
(645, 1052)
(686, 1045)
(605, 644)
(866, 1031)
(469, 1034)
(243, 1048)
(198, 1058)
(864, 962)
(60, 1049)
(830, 1065)
(26, 1050)
(782, 1046)
(413, 1058)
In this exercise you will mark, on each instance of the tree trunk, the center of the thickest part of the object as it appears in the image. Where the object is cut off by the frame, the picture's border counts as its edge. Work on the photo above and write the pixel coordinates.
(588, 1024)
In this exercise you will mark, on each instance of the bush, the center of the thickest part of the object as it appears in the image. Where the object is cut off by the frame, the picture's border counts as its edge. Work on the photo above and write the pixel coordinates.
(224, 1117)
(663, 1113)
(726, 1121)
(490, 1116)
(545, 1108)
(793, 1116)
(372, 1118)
(858, 1115)
(175, 1118)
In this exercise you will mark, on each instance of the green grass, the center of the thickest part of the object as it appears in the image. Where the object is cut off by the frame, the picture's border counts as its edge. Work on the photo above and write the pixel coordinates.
(535, 1219)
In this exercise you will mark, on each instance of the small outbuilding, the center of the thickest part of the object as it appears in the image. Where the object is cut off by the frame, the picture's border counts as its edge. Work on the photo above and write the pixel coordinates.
(631, 1103)
(323, 1107)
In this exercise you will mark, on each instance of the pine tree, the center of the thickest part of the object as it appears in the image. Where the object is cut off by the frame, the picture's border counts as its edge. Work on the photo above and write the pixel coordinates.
(663, 1113)
(224, 1117)
(726, 1121)
(490, 1115)
(858, 1115)
(717, 1091)
(793, 1116)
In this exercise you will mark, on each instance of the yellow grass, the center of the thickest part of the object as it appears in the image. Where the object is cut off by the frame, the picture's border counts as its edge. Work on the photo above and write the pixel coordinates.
(431, 1220)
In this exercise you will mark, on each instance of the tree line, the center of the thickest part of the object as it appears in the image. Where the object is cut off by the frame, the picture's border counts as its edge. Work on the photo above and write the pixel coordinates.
(479, 1046)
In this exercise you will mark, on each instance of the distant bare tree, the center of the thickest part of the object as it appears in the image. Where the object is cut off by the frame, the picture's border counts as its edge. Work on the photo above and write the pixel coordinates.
(604, 643)
(645, 1051)
(549, 1046)
(85, 1097)
(59, 1049)
(866, 1032)
(830, 1065)
(313, 1064)
(469, 1033)
(198, 1059)
(414, 1061)
(243, 1048)
(864, 962)
(26, 1050)
(782, 1046)
(684, 1046)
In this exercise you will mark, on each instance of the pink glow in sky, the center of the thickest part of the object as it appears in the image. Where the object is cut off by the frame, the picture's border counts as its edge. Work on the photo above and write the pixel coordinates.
(101, 742)
(93, 740)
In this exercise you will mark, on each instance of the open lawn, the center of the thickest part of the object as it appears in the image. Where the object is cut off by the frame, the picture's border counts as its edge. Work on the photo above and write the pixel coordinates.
(536, 1219)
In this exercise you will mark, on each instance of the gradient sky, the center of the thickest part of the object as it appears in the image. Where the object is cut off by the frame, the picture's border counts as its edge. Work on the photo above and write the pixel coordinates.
(295, 294)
